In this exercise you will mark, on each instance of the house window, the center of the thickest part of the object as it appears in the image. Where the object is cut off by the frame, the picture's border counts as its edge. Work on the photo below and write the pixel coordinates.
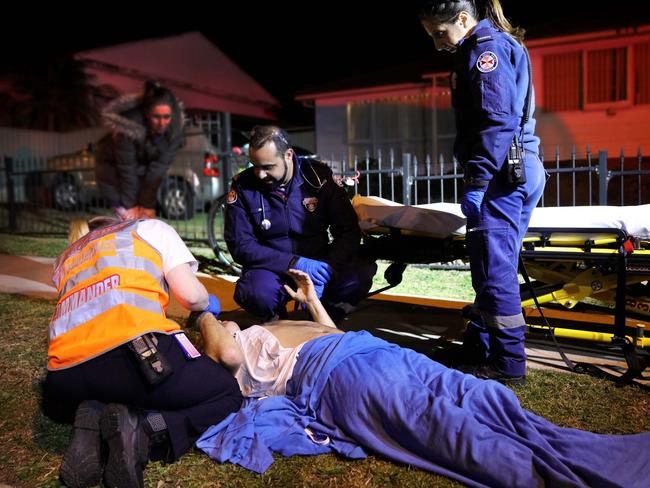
(642, 73)
(597, 78)
(401, 123)
(606, 76)
(563, 82)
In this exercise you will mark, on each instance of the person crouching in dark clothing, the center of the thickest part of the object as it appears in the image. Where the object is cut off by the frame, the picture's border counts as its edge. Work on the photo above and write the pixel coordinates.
(132, 160)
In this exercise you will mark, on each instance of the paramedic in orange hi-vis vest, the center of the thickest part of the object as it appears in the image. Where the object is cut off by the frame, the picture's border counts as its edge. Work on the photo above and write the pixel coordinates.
(134, 384)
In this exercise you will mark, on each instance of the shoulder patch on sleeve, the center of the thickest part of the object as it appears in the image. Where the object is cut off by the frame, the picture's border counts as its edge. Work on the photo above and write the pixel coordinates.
(231, 197)
(487, 62)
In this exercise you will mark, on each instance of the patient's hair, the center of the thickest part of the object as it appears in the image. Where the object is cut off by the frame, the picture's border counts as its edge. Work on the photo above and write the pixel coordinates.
(81, 227)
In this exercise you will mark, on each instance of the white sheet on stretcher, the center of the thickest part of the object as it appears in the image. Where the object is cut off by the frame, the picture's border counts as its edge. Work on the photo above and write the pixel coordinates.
(446, 219)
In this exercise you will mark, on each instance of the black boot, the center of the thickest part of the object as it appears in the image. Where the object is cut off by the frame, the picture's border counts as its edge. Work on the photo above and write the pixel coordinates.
(128, 446)
(82, 463)
(489, 372)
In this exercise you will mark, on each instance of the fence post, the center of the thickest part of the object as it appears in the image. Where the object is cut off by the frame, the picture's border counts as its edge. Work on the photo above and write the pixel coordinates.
(407, 180)
(11, 195)
(225, 139)
(603, 177)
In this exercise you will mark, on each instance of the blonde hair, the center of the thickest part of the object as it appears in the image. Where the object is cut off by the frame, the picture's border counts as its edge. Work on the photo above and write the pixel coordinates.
(80, 227)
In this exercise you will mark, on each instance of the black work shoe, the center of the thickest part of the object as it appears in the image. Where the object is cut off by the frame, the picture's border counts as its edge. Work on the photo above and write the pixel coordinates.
(489, 372)
(82, 463)
(128, 446)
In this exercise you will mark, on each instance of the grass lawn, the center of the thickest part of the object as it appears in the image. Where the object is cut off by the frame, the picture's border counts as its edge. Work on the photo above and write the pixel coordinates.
(31, 446)
(429, 282)
(49, 247)
(415, 281)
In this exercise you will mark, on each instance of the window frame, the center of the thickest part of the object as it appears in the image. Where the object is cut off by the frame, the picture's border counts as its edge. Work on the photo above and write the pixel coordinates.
(629, 82)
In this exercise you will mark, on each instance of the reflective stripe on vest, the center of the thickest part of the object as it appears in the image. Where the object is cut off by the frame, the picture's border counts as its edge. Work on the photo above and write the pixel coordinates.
(77, 313)
(111, 290)
(127, 262)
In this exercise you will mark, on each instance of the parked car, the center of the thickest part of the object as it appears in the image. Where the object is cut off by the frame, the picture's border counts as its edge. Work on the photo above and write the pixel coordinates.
(193, 179)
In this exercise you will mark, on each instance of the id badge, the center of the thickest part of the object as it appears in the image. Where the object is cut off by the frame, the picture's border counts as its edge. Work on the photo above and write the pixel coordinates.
(188, 348)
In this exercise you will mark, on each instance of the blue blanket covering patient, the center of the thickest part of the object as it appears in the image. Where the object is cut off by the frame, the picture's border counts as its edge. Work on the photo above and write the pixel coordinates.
(351, 393)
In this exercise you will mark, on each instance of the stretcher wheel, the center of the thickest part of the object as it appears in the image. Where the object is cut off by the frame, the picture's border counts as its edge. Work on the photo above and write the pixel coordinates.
(394, 272)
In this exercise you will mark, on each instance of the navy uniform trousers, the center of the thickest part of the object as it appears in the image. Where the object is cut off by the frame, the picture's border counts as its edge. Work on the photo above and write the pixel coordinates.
(261, 292)
(496, 331)
(198, 394)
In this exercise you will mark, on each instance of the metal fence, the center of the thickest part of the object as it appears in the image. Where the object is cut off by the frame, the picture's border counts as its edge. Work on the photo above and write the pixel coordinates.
(594, 179)
(41, 195)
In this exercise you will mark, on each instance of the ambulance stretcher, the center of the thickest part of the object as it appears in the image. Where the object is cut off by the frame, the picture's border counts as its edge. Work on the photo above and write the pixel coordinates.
(580, 258)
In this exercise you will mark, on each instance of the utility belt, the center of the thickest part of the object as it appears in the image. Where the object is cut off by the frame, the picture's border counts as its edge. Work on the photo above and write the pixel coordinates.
(153, 365)
(515, 164)
(513, 170)
(516, 169)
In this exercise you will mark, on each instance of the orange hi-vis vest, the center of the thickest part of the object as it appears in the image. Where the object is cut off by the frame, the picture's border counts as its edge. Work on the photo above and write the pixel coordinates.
(111, 290)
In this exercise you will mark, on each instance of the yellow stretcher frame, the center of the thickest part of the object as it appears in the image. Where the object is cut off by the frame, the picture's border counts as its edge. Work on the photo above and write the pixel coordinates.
(594, 263)
(571, 265)
(582, 268)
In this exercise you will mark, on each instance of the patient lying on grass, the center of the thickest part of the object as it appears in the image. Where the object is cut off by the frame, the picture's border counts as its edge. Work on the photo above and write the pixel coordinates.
(313, 389)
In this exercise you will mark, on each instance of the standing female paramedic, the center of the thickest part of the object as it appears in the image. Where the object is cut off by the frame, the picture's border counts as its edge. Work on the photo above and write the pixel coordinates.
(504, 178)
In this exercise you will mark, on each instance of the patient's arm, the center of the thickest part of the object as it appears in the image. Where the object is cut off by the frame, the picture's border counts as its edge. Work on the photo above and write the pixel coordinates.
(219, 343)
(306, 295)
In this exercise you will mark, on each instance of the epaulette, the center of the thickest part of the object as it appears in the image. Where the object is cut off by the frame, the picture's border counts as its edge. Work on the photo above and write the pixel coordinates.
(483, 34)
(244, 178)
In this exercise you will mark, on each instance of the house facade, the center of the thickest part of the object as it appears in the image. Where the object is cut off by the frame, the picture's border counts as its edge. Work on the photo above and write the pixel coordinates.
(592, 90)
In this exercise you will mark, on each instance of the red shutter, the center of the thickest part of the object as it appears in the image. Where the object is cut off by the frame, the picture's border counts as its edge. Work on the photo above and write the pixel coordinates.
(642, 70)
(562, 82)
(607, 75)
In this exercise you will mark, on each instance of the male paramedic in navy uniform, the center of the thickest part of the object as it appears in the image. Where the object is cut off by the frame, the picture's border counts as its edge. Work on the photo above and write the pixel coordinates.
(278, 215)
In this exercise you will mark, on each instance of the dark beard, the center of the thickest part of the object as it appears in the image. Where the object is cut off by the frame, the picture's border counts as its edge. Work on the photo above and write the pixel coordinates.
(274, 184)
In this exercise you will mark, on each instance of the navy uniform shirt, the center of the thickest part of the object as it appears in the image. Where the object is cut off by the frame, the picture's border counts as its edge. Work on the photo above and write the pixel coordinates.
(489, 86)
(312, 204)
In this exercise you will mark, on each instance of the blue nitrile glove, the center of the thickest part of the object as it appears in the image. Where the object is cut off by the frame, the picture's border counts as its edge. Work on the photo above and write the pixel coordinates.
(319, 272)
(319, 289)
(470, 205)
(214, 306)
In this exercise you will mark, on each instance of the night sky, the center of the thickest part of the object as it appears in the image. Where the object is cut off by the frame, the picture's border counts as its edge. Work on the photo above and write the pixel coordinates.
(288, 50)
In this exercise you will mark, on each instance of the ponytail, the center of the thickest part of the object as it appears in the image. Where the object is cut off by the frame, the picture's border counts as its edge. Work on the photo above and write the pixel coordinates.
(492, 10)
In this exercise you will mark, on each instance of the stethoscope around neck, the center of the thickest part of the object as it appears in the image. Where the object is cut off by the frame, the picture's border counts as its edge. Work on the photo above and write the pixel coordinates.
(265, 224)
